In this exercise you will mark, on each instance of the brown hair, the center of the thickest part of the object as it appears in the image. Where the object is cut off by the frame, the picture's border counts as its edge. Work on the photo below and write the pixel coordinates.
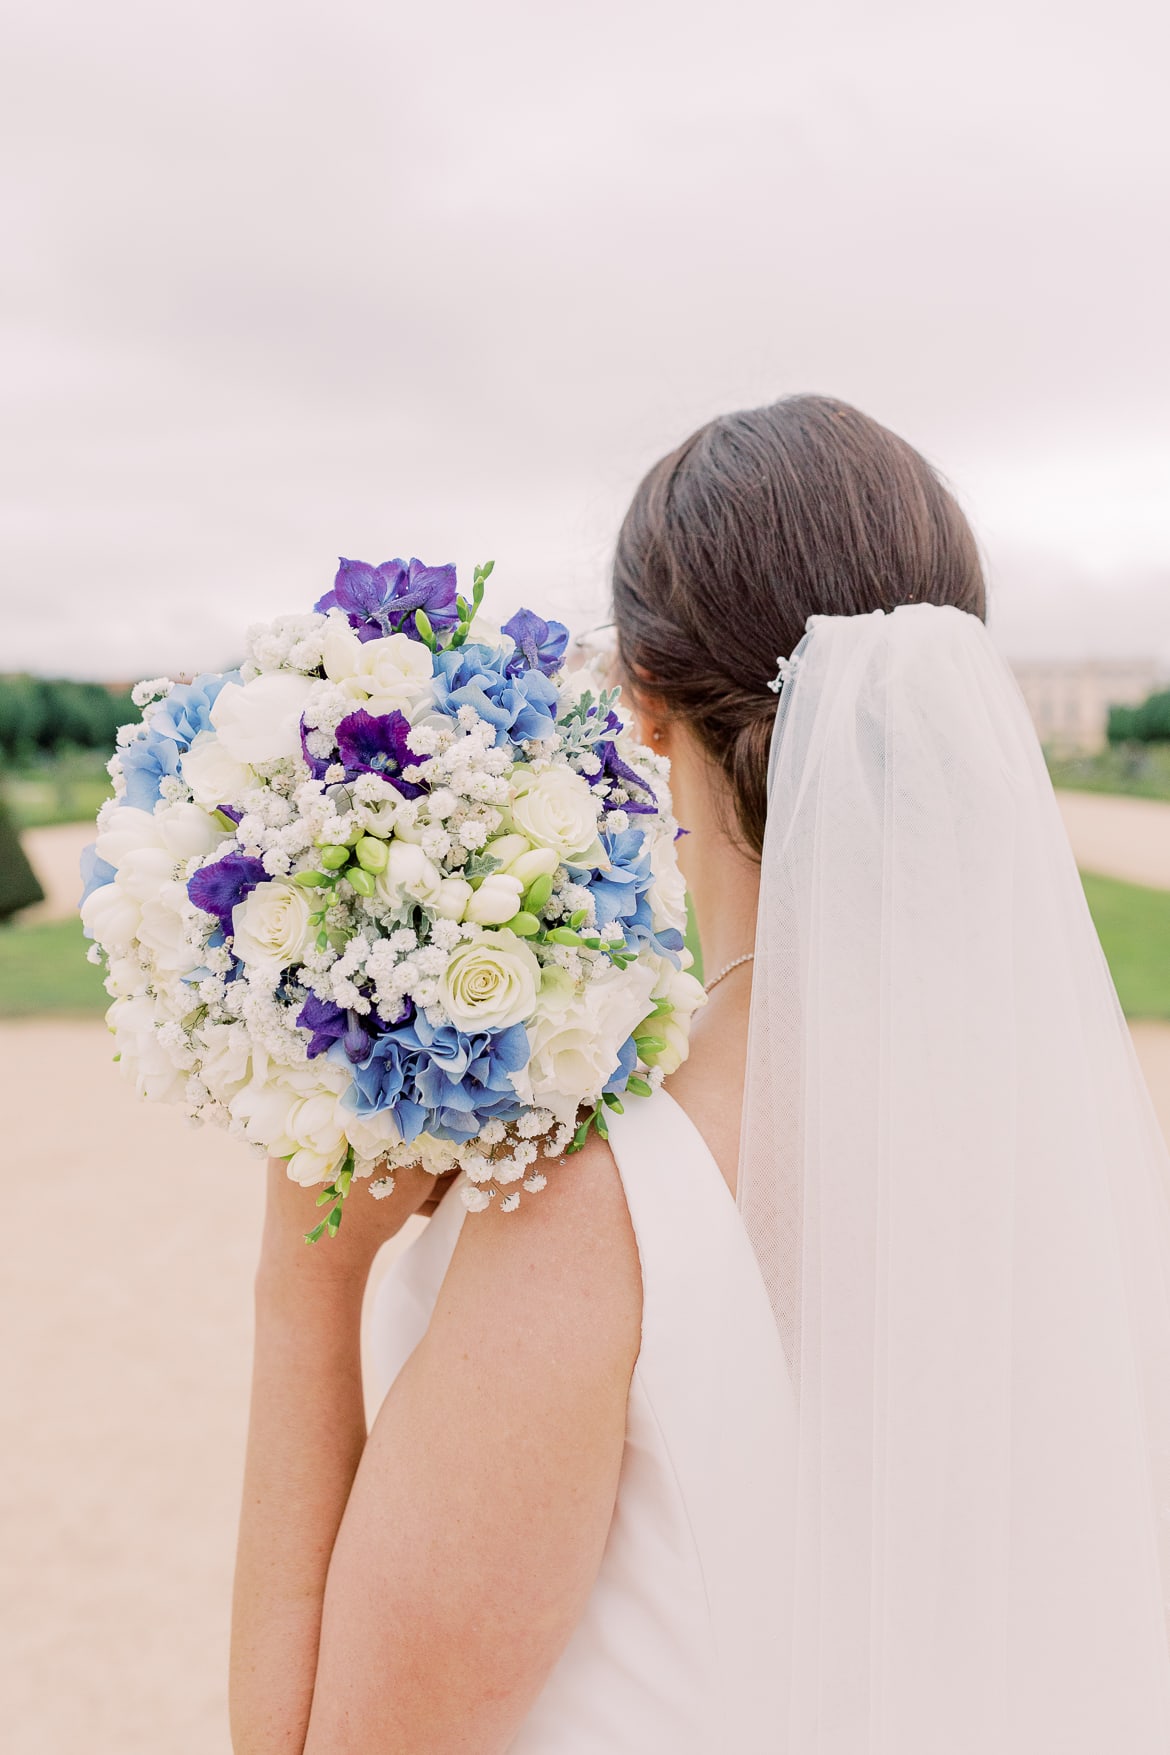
(756, 522)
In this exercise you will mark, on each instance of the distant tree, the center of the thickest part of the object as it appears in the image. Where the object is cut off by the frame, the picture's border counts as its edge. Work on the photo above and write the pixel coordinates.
(47, 714)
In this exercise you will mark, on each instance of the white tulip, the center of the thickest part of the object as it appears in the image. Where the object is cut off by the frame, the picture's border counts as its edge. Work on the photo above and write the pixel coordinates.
(126, 830)
(452, 898)
(187, 830)
(409, 877)
(111, 917)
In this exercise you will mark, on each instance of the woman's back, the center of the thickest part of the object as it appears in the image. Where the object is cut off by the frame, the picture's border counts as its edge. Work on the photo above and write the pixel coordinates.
(679, 1645)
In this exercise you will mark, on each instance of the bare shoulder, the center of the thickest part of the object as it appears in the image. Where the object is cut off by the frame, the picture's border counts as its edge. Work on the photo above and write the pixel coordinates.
(565, 1261)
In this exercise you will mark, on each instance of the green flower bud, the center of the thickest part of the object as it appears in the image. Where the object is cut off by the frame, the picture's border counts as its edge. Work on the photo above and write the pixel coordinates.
(362, 881)
(333, 857)
(372, 854)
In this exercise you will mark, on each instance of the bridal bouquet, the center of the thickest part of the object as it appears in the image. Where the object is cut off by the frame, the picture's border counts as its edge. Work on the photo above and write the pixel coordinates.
(401, 890)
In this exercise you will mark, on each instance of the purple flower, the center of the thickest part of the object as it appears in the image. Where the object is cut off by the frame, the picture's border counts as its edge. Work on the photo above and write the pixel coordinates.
(328, 1023)
(540, 645)
(383, 600)
(217, 888)
(375, 743)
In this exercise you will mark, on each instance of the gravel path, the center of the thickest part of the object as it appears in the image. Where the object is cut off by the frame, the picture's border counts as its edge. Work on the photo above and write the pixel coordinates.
(1120, 837)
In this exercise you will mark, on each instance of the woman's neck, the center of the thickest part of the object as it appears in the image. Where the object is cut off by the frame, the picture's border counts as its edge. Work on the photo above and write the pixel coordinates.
(724, 882)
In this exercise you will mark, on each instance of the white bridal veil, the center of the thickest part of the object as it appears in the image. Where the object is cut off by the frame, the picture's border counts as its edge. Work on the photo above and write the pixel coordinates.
(958, 1197)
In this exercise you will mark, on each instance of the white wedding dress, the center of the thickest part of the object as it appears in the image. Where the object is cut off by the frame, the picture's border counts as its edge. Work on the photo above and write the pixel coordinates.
(679, 1650)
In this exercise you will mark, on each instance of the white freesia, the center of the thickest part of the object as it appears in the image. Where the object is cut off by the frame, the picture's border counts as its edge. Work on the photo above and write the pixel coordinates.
(272, 924)
(491, 982)
(685, 995)
(316, 1125)
(496, 900)
(409, 876)
(557, 809)
(271, 1109)
(575, 1039)
(260, 721)
(214, 775)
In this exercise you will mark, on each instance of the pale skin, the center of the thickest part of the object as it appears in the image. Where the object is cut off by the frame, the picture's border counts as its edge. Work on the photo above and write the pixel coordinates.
(407, 1591)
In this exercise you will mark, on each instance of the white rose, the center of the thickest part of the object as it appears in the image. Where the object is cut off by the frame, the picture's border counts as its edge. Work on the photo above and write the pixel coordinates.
(668, 893)
(575, 1039)
(260, 721)
(272, 924)
(491, 982)
(225, 1059)
(187, 830)
(141, 1056)
(685, 995)
(557, 809)
(395, 672)
(495, 901)
(214, 776)
(409, 876)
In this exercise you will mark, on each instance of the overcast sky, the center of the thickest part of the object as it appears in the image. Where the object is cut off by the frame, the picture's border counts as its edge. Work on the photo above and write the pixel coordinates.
(287, 281)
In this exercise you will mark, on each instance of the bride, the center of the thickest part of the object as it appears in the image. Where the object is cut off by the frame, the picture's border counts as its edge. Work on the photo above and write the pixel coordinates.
(826, 1410)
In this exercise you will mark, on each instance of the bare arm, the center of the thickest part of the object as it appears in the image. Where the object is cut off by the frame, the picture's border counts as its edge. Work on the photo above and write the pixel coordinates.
(306, 1433)
(480, 1510)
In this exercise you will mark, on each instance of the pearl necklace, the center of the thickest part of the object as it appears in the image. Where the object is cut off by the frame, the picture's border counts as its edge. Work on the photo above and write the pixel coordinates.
(709, 986)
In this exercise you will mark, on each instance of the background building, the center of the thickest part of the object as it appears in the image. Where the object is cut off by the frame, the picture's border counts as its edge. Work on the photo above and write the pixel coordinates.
(1070, 701)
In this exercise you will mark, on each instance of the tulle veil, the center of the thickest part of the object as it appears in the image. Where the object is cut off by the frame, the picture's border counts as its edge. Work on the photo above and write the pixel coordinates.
(957, 1195)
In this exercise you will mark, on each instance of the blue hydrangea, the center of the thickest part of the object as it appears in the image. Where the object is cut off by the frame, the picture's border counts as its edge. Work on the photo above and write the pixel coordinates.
(172, 728)
(520, 707)
(440, 1079)
(619, 893)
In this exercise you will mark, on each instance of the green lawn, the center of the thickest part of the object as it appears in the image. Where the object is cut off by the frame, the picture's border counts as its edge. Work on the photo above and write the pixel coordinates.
(61, 789)
(1140, 769)
(43, 969)
(1134, 925)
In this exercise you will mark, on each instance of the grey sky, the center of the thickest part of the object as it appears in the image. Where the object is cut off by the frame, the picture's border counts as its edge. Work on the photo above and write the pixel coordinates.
(285, 281)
